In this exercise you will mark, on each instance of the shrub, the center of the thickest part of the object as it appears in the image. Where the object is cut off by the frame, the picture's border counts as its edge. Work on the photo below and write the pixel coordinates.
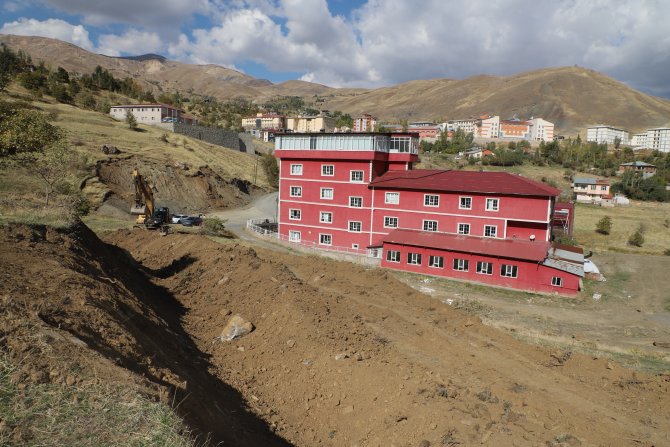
(164, 138)
(667, 252)
(271, 168)
(604, 225)
(212, 226)
(637, 238)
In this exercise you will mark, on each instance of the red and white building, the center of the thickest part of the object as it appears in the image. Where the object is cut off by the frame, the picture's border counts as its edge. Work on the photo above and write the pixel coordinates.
(365, 123)
(359, 192)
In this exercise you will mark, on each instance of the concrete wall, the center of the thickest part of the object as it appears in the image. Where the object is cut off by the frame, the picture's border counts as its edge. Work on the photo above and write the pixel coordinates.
(237, 141)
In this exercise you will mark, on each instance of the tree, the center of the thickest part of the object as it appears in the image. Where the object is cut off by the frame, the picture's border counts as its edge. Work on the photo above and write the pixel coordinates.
(271, 168)
(130, 120)
(51, 166)
(604, 225)
(637, 238)
(617, 142)
(25, 131)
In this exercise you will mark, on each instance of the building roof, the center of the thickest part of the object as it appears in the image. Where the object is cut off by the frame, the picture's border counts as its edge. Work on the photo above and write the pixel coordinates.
(506, 248)
(147, 105)
(464, 181)
(638, 164)
(590, 181)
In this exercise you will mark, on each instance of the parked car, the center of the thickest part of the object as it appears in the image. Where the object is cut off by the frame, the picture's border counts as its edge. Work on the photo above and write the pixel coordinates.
(177, 217)
(191, 221)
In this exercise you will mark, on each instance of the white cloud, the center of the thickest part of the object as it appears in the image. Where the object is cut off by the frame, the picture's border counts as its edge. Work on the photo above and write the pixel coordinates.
(133, 42)
(54, 28)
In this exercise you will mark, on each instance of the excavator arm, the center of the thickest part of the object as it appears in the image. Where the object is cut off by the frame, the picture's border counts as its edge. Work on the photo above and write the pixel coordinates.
(144, 198)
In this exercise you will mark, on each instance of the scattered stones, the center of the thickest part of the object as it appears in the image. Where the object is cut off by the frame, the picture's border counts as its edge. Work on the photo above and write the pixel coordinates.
(224, 280)
(290, 343)
(597, 296)
(487, 396)
(237, 327)
(108, 149)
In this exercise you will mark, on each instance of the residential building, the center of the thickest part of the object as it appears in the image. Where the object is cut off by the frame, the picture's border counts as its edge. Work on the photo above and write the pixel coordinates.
(602, 134)
(591, 190)
(306, 124)
(646, 169)
(359, 193)
(489, 127)
(468, 125)
(476, 152)
(425, 130)
(639, 140)
(541, 130)
(152, 113)
(515, 130)
(658, 139)
(265, 121)
(365, 123)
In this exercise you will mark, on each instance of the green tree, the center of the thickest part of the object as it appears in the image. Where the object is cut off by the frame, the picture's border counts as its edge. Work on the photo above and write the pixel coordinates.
(637, 238)
(271, 168)
(25, 131)
(131, 120)
(617, 142)
(50, 165)
(604, 225)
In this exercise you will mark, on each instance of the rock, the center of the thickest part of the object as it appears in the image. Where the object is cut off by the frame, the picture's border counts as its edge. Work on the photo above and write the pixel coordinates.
(224, 312)
(109, 149)
(223, 280)
(662, 344)
(237, 327)
(290, 343)
(424, 443)
(342, 356)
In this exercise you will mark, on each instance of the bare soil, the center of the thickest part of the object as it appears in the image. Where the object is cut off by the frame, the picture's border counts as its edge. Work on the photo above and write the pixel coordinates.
(341, 355)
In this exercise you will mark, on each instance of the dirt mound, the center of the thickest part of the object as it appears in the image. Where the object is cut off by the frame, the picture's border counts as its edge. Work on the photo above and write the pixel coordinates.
(342, 355)
(190, 190)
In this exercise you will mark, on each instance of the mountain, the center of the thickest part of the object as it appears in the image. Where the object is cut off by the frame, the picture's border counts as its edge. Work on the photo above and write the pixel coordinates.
(571, 97)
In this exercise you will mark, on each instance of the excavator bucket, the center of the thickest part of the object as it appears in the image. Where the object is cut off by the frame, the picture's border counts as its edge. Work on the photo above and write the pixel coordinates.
(141, 209)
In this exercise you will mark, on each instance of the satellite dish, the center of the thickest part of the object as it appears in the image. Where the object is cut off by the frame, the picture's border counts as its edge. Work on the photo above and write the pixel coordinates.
(532, 237)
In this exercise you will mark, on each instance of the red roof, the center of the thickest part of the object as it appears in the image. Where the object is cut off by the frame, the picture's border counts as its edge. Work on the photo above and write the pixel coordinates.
(505, 248)
(464, 181)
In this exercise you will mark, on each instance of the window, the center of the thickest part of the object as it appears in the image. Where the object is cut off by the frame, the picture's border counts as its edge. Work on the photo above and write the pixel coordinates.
(294, 236)
(492, 204)
(510, 271)
(436, 261)
(328, 170)
(393, 256)
(392, 198)
(325, 217)
(463, 228)
(296, 169)
(461, 265)
(429, 225)
(490, 231)
(294, 214)
(327, 193)
(326, 239)
(414, 258)
(354, 246)
(603, 188)
(355, 227)
(466, 203)
(296, 191)
(356, 202)
(390, 222)
(356, 176)
(592, 187)
(484, 268)
(557, 281)
(431, 200)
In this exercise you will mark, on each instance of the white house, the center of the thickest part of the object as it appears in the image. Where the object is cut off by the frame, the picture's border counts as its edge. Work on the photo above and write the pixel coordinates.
(151, 113)
(602, 134)
(541, 130)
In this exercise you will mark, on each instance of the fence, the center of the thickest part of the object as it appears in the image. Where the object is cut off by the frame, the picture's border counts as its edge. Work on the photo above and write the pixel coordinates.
(263, 228)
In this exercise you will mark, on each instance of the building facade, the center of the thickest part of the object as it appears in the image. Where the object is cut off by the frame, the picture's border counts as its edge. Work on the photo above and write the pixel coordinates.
(350, 192)
(602, 134)
(152, 114)
(306, 124)
(646, 169)
(514, 130)
(265, 121)
(658, 139)
(365, 123)
(541, 130)
(591, 190)
(489, 127)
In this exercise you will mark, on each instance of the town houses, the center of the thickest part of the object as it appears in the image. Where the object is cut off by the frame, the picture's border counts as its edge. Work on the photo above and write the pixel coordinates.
(359, 192)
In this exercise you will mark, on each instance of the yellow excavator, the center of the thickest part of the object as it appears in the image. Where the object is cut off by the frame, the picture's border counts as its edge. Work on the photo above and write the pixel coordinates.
(144, 207)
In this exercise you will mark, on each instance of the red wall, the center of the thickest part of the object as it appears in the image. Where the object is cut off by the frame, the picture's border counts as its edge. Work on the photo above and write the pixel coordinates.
(531, 276)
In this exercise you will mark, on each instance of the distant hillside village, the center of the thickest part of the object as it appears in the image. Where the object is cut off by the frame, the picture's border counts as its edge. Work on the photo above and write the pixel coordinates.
(655, 139)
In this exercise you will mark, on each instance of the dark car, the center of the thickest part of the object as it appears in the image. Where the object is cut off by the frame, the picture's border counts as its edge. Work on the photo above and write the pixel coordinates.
(190, 221)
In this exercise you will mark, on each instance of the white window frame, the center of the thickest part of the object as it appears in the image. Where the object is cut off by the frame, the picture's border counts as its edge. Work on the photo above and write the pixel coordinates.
(294, 236)
(325, 168)
(393, 256)
(332, 193)
(356, 171)
(324, 213)
(360, 226)
(387, 225)
(436, 265)
(481, 271)
(298, 189)
(556, 281)
(351, 198)
(461, 265)
(458, 228)
(414, 258)
(491, 199)
(489, 227)
(392, 194)
(354, 246)
(429, 221)
(460, 203)
(325, 235)
(292, 212)
(427, 198)
(509, 271)
(297, 168)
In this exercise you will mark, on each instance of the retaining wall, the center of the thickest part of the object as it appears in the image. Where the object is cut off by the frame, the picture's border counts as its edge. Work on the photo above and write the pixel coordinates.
(237, 141)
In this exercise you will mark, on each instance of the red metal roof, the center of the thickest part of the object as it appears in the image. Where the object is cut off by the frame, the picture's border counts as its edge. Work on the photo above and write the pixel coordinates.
(504, 248)
(464, 181)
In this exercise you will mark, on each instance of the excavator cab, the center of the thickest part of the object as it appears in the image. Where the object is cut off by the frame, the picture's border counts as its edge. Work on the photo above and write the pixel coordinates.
(144, 206)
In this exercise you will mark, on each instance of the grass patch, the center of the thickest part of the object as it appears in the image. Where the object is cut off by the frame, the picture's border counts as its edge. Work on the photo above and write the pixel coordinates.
(48, 414)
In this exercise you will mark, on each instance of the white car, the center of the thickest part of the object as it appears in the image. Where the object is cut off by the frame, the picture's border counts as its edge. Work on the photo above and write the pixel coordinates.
(177, 217)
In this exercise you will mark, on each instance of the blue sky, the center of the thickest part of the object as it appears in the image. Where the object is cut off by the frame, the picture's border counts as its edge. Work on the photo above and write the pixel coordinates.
(368, 43)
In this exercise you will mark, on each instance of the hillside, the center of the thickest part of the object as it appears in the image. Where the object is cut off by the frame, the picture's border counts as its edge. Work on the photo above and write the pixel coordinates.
(571, 97)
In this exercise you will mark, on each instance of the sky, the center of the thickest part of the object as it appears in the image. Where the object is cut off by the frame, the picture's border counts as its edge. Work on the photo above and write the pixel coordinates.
(369, 43)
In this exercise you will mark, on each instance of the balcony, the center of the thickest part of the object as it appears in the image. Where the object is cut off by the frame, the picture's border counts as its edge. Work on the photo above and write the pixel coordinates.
(384, 143)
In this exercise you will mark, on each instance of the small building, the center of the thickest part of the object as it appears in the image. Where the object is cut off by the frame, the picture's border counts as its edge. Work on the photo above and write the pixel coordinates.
(646, 169)
(365, 123)
(307, 124)
(425, 130)
(265, 121)
(477, 152)
(152, 113)
(603, 134)
(591, 190)
(563, 219)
